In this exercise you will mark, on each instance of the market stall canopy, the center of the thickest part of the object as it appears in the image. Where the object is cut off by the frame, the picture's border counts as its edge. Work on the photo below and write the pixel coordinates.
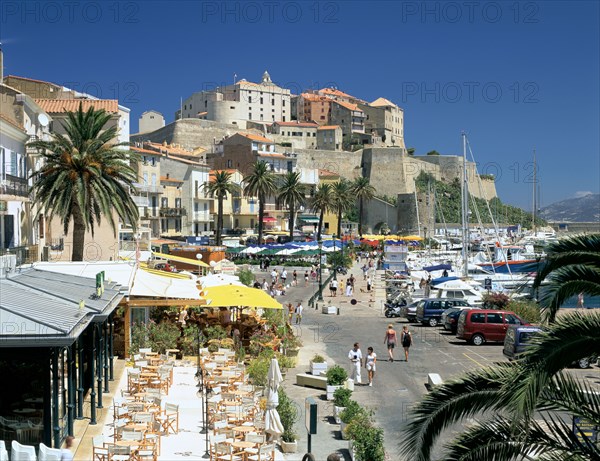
(152, 285)
(236, 295)
(181, 259)
(214, 280)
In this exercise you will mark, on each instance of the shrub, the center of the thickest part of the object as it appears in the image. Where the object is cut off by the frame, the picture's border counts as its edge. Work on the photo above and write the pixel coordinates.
(188, 342)
(526, 309)
(285, 361)
(318, 359)
(341, 397)
(215, 332)
(368, 442)
(336, 376)
(288, 414)
(246, 277)
(495, 301)
(257, 370)
(352, 410)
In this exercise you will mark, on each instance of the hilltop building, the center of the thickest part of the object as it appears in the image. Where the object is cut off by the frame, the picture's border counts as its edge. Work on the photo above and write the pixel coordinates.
(150, 120)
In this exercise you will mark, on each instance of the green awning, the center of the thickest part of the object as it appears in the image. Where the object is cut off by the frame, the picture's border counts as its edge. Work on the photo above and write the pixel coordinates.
(309, 218)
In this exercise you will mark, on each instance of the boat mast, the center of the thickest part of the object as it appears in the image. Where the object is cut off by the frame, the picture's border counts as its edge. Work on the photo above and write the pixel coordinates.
(465, 210)
(534, 193)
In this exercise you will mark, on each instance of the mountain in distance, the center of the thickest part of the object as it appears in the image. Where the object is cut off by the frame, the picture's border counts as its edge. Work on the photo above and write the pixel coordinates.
(579, 209)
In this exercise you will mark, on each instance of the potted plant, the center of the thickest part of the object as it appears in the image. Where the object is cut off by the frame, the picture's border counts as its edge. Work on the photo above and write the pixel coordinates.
(318, 365)
(336, 378)
(291, 345)
(353, 410)
(341, 397)
(288, 414)
(366, 440)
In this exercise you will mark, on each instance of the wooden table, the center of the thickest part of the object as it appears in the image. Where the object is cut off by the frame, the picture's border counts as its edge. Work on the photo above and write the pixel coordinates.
(151, 354)
(231, 403)
(137, 426)
(244, 429)
(243, 444)
(171, 351)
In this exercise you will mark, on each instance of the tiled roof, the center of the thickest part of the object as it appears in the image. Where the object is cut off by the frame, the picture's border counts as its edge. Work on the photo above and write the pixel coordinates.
(382, 102)
(314, 97)
(328, 127)
(57, 106)
(165, 179)
(347, 105)
(227, 170)
(271, 155)
(12, 122)
(334, 92)
(255, 137)
(327, 173)
(170, 148)
(298, 124)
(143, 151)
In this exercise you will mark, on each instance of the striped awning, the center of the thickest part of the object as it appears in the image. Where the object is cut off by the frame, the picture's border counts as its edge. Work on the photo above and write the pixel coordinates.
(309, 218)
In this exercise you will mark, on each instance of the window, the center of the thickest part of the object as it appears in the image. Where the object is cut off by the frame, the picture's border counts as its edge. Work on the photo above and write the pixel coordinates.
(205, 104)
(494, 318)
(272, 102)
(164, 202)
(478, 317)
(154, 179)
(512, 319)
(145, 179)
(205, 206)
(284, 118)
(250, 115)
(177, 203)
(261, 100)
(250, 99)
(229, 163)
(261, 116)
(283, 103)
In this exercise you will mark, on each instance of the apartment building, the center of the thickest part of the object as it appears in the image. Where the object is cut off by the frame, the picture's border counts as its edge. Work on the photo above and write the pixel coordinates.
(240, 212)
(313, 108)
(299, 135)
(350, 118)
(149, 121)
(148, 188)
(238, 103)
(329, 137)
(171, 209)
(384, 120)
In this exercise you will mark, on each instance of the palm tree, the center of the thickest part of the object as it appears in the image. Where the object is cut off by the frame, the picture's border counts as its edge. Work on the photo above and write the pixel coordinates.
(522, 403)
(85, 176)
(342, 201)
(323, 202)
(572, 266)
(260, 182)
(219, 187)
(291, 193)
(362, 190)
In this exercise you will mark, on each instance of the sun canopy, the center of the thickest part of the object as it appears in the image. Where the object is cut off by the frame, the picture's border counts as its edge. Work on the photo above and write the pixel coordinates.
(236, 295)
(438, 267)
(181, 259)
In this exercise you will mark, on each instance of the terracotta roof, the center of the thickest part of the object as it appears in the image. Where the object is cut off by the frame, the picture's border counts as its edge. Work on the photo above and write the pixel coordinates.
(314, 97)
(165, 179)
(328, 127)
(255, 137)
(271, 155)
(334, 92)
(12, 122)
(347, 105)
(143, 151)
(298, 124)
(57, 106)
(202, 113)
(170, 148)
(382, 102)
(327, 173)
(227, 170)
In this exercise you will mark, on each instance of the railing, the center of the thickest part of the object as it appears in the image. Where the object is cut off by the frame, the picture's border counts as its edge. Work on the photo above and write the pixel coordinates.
(25, 254)
(203, 216)
(165, 211)
(148, 188)
(13, 185)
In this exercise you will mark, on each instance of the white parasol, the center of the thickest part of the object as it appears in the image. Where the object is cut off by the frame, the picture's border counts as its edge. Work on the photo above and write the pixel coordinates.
(272, 422)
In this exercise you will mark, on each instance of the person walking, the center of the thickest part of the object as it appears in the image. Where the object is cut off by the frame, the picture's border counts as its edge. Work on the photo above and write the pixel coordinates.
(370, 364)
(291, 310)
(355, 356)
(580, 301)
(298, 311)
(391, 340)
(369, 283)
(333, 287)
(295, 278)
(406, 340)
(348, 287)
(283, 276)
(66, 454)
(305, 278)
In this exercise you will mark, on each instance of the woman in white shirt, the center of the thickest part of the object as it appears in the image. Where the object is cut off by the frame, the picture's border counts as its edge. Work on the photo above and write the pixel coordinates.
(370, 364)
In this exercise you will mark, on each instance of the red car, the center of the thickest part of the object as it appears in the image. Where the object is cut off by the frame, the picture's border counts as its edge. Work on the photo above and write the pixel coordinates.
(481, 325)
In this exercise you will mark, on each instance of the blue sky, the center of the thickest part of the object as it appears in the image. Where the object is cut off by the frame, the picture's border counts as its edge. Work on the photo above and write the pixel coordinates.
(513, 75)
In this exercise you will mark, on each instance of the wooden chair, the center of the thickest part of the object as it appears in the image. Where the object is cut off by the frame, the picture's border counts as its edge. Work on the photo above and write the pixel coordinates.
(146, 453)
(258, 439)
(170, 418)
(225, 452)
(117, 453)
(152, 437)
(266, 452)
(100, 452)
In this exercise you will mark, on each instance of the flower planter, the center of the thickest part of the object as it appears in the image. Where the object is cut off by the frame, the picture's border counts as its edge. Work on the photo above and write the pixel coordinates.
(292, 352)
(329, 309)
(318, 368)
(331, 390)
(342, 430)
(336, 413)
(351, 450)
(289, 447)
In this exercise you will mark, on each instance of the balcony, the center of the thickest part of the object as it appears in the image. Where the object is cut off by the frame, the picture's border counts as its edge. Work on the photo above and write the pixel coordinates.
(202, 216)
(148, 189)
(172, 212)
(141, 200)
(13, 185)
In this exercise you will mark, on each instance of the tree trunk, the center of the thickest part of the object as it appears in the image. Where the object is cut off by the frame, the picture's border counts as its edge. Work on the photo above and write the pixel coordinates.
(360, 217)
(292, 222)
(321, 215)
(261, 212)
(219, 220)
(78, 235)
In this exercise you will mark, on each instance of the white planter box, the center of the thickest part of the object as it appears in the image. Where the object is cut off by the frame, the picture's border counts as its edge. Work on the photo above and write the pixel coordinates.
(329, 309)
(342, 427)
(289, 447)
(331, 390)
(317, 369)
(336, 413)
(351, 450)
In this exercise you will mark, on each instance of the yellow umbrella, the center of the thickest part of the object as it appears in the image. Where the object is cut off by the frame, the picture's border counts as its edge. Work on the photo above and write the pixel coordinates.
(238, 295)
(412, 237)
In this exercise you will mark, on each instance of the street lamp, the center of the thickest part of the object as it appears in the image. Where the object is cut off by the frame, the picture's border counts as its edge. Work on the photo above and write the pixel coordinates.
(320, 243)
(334, 266)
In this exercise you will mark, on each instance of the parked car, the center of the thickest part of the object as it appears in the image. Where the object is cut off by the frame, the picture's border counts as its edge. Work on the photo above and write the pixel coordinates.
(478, 325)
(519, 336)
(430, 310)
(450, 316)
(409, 312)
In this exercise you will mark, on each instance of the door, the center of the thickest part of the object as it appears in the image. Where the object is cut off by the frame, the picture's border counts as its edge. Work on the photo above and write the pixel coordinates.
(495, 328)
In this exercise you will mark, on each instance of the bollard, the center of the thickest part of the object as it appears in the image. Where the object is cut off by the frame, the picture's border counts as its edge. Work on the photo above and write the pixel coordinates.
(338, 310)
